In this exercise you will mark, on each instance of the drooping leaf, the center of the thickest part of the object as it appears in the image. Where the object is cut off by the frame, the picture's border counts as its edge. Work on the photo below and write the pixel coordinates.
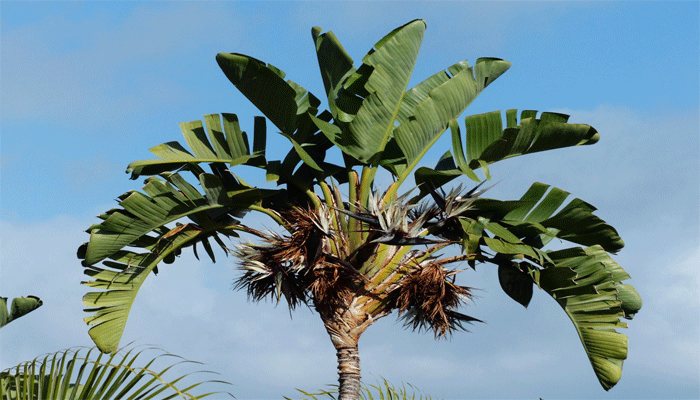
(140, 223)
(576, 223)
(585, 282)
(587, 285)
(111, 307)
(515, 282)
(167, 200)
(533, 220)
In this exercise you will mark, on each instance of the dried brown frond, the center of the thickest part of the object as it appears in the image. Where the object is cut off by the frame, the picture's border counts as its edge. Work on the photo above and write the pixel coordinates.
(332, 285)
(299, 265)
(278, 268)
(427, 297)
(272, 270)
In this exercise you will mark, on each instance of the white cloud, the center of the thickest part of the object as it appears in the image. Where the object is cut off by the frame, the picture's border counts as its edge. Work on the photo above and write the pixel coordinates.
(40, 259)
(671, 314)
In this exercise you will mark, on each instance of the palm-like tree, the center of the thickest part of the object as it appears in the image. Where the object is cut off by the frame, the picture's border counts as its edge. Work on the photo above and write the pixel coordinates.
(87, 374)
(354, 253)
(69, 374)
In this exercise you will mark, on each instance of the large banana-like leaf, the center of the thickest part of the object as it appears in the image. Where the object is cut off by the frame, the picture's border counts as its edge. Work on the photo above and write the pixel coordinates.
(487, 141)
(371, 96)
(226, 144)
(532, 219)
(335, 65)
(427, 109)
(73, 374)
(431, 104)
(585, 282)
(20, 307)
(141, 224)
(264, 85)
(587, 285)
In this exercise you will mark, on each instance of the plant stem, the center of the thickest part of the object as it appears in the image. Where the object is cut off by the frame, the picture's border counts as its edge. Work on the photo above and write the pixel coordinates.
(272, 214)
(314, 198)
(366, 184)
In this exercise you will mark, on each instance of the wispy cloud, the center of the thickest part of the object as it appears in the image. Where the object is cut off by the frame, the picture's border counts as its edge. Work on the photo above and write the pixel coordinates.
(44, 80)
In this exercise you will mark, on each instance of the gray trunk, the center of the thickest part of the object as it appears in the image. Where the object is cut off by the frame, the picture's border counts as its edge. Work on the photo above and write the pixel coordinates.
(348, 373)
(345, 326)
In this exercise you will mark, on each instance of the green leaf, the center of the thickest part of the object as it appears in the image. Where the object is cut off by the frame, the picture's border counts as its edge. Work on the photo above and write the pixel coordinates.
(260, 139)
(631, 301)
(500, 231)
(506, 248)
(482, 130)
(303, 154)
(264, 85)
(444, 172)
(576, 223)
(20, 306)
(419, 93)
(335, 64)
(142, 214)
(457, 147)
(74, 374)
(533, 220)
(111, 307)
(331, 131)
(586, 284)
(473, 232)
(228, 145)
(141, 224)
(488, 142)
(228, 138)
(439, 102)
(515, 282)
(381, 84)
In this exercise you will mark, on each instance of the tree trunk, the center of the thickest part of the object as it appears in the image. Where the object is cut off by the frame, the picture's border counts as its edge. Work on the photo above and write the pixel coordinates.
(348, 373)
(344, 326)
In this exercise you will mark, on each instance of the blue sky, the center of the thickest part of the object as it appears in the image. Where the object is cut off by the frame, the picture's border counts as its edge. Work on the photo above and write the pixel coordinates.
(87, 87)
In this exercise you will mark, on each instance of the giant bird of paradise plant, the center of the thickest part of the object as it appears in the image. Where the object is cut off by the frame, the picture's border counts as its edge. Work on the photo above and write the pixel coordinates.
(348, 250)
